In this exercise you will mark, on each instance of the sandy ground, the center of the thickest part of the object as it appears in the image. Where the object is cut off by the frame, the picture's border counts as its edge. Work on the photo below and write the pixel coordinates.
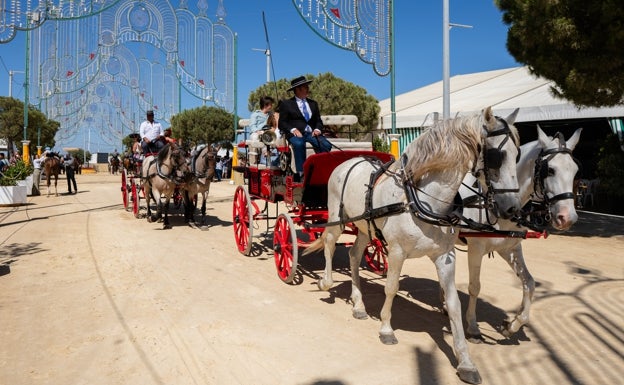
(91, 295)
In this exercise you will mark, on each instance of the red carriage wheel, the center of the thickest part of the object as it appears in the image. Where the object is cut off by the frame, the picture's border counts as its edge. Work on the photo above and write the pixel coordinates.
(135, 200)
(242, 220)
(124, 188)
(375, 257)
(285, 249)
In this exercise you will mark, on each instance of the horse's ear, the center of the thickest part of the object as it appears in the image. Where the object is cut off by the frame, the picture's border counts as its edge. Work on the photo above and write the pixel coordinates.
(511, 119)
(542, 137)
(574, 139)
(487, 114)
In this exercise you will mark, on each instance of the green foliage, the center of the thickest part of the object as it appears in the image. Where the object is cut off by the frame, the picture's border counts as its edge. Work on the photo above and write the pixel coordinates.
(610, 168)
(12, 124)
(380, 145)
(203, 125)
(334, 96)
(575, 43)
(15, 172)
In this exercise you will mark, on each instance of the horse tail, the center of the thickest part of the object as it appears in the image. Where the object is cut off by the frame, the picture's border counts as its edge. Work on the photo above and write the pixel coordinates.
(315, 246)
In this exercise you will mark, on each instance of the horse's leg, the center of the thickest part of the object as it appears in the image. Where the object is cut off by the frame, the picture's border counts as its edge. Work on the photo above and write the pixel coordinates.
(475, 257)
(355, 258)
(203, 206)
(55, 185)
(395, 264)
(189, 208)
(330, 237)
(147, 190)
(165, 210)
(445, 267)
(515, 259)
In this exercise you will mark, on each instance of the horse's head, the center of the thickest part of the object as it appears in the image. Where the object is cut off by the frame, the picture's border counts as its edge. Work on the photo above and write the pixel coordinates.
(177, 159)
(206, 163)
(497, 162)
(555, 171)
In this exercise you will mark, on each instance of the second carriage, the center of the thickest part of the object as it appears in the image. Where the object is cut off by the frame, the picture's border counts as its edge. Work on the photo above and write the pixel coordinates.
(305, 202)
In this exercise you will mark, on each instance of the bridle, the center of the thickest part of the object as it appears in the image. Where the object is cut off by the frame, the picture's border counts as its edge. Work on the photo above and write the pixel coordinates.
(538, 210)
(492, 160)
(542, 172)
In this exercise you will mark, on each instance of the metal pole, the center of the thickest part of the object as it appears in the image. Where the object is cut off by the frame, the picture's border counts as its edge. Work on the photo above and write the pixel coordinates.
(26, 142)
(392, 83)
(446, 102)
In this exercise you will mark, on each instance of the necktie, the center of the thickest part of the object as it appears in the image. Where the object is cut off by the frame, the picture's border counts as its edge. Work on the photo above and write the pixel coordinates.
(306, 114)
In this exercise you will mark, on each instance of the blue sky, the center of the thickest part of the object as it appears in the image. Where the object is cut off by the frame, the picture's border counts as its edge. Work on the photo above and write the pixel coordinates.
(296, 49)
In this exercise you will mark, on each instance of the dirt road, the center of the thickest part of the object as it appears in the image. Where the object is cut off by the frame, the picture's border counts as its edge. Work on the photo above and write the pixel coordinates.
(91, 295)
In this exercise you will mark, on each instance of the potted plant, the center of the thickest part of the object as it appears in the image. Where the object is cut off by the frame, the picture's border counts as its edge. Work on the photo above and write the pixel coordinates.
(14, 184)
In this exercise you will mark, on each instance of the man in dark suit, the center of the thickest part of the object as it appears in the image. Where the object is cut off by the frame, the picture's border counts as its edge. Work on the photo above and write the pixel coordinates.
(300, 122)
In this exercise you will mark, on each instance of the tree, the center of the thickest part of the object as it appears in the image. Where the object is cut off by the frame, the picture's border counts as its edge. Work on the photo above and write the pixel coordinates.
(12, 124)
(575, 43)
(334, 96)
(203, 125)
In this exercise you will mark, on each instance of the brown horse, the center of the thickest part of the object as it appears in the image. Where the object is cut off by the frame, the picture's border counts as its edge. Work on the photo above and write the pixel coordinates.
(114, 165)
(161, 175)
(52, 167)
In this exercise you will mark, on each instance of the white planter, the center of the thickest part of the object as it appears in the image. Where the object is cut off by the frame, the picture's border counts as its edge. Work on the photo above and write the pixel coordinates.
(28, 182)
(12, 195)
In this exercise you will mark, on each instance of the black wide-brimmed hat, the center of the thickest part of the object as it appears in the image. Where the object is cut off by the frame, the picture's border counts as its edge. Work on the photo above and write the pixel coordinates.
(296, 82)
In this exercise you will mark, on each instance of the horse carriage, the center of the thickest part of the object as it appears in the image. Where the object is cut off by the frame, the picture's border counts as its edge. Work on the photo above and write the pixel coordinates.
(406, 209)
(172, 177)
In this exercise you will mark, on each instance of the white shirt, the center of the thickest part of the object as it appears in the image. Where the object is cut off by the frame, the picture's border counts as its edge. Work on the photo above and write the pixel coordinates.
(151, 131)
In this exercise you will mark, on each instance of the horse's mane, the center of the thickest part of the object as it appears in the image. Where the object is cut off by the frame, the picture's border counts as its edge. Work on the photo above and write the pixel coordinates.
(449, 144)
(163, 154)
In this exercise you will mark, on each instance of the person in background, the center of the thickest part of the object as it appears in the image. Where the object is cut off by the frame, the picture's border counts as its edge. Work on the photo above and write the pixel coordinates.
(137, 151)
(16, 157)
(3, 162)
(271, 125)
(69, 172)
(168, 137)
(152, 135)
(226, 165)
(300, 122)
(37, 164)
(258, 118)
(219, 169)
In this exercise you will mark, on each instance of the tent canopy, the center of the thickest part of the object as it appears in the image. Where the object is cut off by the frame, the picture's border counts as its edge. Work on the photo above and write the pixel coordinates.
(504, 90)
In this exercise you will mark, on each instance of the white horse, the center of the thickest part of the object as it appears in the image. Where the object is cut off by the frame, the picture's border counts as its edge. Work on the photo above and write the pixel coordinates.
(162, 174)
(434, 165)
(546, 172)
(203, 164)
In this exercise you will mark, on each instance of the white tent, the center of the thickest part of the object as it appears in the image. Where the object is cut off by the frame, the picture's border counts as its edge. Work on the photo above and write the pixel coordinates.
(504, 90)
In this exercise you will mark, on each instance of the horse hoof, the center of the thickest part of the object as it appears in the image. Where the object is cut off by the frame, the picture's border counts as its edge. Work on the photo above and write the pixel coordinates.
(360, 314)
(166, 227)
(388, 339)
(504, 329)
(470, 376)
(475, 338)
(323, 285)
